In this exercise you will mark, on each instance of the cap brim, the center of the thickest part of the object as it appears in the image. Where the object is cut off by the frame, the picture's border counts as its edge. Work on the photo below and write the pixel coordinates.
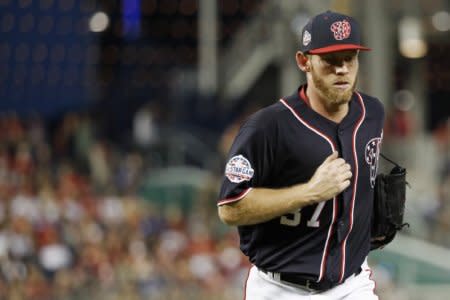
(336, 48)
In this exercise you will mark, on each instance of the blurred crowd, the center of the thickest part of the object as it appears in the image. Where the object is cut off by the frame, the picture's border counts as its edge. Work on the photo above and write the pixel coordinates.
(72, 225)
(427, 159)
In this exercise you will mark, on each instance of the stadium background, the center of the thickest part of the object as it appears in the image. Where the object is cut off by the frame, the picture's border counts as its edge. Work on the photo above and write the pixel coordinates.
(115, 117)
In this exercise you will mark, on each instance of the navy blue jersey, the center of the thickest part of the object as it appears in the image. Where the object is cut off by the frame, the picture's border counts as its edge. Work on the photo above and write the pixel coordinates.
(282, 145)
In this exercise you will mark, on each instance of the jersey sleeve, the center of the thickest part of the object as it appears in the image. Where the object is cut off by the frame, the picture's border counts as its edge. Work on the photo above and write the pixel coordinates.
(249, 163)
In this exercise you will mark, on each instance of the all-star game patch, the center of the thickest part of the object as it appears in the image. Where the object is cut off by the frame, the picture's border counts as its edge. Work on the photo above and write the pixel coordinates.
(306, 38)
(238, 169)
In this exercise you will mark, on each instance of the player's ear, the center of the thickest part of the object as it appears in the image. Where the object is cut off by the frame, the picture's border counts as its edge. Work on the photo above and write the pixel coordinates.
(303, 61)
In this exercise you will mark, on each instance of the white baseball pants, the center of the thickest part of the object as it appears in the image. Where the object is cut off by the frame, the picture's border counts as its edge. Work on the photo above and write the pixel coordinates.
(261, 286)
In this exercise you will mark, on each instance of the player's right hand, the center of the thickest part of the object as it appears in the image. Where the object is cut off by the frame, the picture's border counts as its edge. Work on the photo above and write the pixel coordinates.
(331, 178)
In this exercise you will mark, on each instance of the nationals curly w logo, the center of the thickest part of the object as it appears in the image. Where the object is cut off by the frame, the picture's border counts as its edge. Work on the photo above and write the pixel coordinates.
(372, 153)
(341, 29)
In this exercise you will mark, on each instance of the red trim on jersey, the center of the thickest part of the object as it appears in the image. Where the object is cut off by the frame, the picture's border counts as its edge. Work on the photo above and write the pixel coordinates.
(309, 126)
(355, 183)
(323, 264)
(333, 148)
(246, 282)
(235, 198)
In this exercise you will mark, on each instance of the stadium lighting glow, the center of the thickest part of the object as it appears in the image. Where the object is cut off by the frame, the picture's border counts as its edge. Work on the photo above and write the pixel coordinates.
(411, 41)
(99, 22)
(441, 21)
(131, 20)
(404, 100)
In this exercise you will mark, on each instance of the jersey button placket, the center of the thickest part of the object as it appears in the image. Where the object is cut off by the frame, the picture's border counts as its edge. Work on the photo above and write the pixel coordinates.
(340, 231)
(340, 140)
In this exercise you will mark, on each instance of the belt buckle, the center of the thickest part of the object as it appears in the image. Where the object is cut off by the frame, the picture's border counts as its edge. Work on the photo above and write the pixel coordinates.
(307, 284)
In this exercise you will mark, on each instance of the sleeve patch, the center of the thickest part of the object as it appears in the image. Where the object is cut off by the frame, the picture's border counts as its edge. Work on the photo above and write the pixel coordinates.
(372, 154)
(238, 169)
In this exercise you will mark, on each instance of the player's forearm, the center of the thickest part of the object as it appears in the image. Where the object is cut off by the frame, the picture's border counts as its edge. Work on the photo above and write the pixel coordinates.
(263, 204)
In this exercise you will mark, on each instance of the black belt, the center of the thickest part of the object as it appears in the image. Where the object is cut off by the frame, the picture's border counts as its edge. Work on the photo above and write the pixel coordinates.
(300, 281)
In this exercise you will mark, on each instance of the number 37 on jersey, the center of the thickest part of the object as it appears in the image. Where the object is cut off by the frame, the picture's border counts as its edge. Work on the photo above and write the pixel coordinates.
(294, 218)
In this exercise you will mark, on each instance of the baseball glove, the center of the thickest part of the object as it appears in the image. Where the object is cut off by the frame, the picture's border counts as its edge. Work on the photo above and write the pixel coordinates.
(389, 206)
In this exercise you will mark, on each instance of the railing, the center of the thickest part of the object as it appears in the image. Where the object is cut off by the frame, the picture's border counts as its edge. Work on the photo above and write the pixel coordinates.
(257, 44)
(413, 268)
(257, 33)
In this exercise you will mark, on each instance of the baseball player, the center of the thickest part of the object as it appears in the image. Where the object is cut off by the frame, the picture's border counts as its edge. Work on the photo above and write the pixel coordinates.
(300, 175)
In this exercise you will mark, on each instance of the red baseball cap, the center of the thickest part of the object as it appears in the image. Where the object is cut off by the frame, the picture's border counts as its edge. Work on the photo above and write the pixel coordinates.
(331, 32)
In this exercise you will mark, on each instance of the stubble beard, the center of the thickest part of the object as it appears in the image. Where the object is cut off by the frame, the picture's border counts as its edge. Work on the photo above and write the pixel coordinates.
(332, 96)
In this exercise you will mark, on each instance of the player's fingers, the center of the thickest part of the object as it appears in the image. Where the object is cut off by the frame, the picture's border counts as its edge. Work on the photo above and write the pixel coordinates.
(347, 175)
(331, 157)
(344, 168)
(344, 185)
(338, 166)
(339, 162)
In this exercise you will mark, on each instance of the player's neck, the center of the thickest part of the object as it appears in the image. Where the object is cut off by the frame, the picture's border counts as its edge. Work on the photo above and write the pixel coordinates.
(331, 111)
